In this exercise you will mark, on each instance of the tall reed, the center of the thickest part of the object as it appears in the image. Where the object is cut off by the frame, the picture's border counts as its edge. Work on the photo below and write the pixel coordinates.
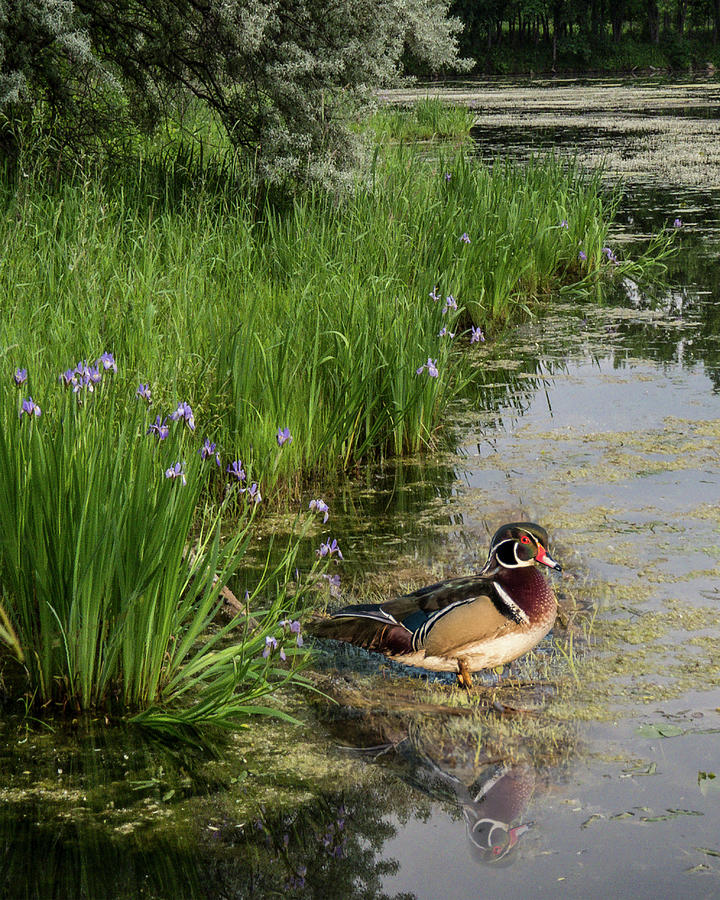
(110, 580)
(314, 315)
(427, 119)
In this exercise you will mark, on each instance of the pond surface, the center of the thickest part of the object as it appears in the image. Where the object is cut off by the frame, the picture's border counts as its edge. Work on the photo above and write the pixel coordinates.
(594, 768)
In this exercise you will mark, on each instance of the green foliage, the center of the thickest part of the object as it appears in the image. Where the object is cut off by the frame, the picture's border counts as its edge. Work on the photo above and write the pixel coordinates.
(542, 36)
(314, 317)
(428, 119)
(284, 79)
(678, 52)
(108, 577)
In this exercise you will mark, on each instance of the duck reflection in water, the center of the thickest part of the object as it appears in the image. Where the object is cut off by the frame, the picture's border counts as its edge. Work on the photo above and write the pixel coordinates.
(502, 798)
(493, 803)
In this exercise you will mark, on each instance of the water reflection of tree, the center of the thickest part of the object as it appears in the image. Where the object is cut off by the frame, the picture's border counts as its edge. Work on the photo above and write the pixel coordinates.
(331, 847)
(684, 332)
(689, 335)
(79, 809)
(94, 814)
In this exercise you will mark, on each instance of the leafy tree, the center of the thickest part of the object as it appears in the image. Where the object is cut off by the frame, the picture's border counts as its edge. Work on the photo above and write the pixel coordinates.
(572, 31)
(284, 77)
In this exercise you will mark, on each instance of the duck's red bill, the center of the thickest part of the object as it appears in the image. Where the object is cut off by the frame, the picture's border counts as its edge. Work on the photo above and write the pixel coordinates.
(542, 556)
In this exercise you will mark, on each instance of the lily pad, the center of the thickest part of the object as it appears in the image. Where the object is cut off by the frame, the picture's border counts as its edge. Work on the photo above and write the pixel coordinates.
(662, 729)
(593, 818)
(649, 769)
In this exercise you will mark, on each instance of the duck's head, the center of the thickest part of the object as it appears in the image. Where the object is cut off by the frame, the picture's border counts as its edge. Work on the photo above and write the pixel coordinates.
(520, 544)
(493, 842)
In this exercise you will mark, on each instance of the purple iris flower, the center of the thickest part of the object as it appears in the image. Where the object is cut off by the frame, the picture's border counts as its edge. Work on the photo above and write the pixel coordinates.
(321, 507)
(582, 256)
(270, 645)
(297, 881)
(159, 428)
(448, 176)
(283, 436)
(445, 333)
(450, 303)
(564, 224)
(253, 493)
(144, 392)
(677, 223)
(236, 469)
(20, 376)
(176, 471)
(207, 450)
(82, 377)
(476, 335)
(431, 366)
(465, 237)
(334, 582)
(329, 549)
(93, 377)
(29, 407)
(108, 362)
(434, 296)
(184, 412)
(294, 629)
(610, 255)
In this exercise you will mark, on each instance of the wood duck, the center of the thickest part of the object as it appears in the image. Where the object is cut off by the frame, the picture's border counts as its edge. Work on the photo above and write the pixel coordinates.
(462, 624)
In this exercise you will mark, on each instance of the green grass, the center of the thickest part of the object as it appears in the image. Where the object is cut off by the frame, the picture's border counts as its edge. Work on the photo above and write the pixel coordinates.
(427, 119)
(112, 569)
(313, 316)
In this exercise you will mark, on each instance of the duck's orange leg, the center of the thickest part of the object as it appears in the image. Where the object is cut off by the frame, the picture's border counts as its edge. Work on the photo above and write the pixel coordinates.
(464, 676)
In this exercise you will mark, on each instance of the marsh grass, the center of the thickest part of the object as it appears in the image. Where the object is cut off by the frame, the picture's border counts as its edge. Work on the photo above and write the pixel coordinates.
(430, 118)
(111, 566)
(313, 315)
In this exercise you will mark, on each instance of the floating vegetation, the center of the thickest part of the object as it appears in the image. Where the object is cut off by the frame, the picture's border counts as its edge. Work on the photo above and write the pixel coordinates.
(634, 129)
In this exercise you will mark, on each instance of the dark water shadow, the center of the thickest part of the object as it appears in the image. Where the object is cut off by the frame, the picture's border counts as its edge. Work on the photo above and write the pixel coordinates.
(80, 811)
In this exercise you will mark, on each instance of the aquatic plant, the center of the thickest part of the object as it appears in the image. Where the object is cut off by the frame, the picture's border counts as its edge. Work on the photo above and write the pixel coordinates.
(430, 118)
(112, 570)
(296, 330)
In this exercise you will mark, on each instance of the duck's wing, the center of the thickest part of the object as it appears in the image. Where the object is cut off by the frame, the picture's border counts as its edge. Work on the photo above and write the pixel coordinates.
(400, 625)
(461, 625)
(365, 625)
(416, 609)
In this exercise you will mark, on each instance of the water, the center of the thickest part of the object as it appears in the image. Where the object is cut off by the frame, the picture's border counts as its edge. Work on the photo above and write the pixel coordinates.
(590, 771)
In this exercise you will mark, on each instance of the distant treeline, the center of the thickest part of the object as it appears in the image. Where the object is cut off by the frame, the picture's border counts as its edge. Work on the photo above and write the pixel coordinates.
(541, 35)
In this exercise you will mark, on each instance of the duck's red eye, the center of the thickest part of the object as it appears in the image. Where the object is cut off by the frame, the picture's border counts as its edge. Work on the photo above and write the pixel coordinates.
(524, 539)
